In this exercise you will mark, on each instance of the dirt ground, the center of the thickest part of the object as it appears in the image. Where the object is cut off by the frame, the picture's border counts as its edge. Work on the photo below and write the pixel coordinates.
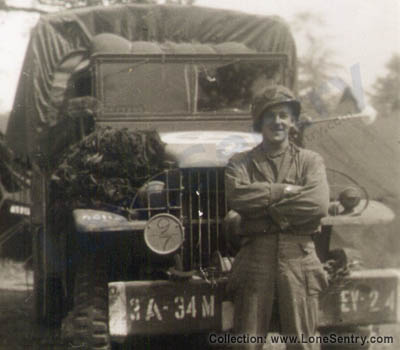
(17, 329)
(19, 332)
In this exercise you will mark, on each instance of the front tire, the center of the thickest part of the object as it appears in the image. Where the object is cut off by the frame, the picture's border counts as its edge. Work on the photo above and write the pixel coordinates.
(47, 290)
(90, 311)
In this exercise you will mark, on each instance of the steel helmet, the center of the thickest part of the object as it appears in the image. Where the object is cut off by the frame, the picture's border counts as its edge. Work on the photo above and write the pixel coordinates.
(269, 96)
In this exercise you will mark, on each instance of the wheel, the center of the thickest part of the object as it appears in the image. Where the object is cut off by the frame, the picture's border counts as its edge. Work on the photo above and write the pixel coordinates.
(348, 331)
(47, 289)
(90, 310)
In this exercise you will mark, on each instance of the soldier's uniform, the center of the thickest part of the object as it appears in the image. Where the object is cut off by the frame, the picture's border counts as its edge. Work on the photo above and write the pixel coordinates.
(277, 258)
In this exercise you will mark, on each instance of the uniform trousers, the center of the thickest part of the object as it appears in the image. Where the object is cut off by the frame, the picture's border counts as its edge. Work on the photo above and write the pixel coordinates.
(277, 268)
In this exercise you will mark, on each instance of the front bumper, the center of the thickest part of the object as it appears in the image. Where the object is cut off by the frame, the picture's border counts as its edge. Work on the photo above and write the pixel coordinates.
(192, 306)
(365, 297)
(167, 307)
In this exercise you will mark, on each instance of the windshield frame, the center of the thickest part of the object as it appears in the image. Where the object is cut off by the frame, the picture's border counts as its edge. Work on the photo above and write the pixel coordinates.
(98, 60)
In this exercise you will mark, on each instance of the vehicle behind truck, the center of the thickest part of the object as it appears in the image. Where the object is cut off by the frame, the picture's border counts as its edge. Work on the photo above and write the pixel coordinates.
(128, 115)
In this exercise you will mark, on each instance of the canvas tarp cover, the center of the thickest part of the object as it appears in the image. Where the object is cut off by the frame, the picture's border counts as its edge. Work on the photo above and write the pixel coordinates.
(370, 155)
(57, 36)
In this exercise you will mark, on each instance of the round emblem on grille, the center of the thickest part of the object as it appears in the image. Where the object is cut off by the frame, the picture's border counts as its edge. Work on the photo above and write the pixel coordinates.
(163, 234)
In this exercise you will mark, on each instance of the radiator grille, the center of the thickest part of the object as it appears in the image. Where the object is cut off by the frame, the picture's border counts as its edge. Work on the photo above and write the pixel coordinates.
(204, 208)
(197, 197)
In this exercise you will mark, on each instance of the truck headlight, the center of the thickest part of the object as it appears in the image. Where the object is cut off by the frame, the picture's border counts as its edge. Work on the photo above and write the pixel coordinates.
(349, 198)
(152, 194)
(163, 234)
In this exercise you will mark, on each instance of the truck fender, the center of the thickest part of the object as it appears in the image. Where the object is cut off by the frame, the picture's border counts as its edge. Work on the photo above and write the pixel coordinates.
(90, 221)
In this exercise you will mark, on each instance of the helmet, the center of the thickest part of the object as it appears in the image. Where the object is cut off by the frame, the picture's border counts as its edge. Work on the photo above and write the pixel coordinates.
(269, 96)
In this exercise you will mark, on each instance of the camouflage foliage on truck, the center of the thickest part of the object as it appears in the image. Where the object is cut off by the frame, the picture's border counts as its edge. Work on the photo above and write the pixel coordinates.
(106, 168)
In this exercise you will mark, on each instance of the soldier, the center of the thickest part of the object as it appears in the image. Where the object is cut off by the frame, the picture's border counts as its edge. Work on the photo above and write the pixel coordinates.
(280, 191)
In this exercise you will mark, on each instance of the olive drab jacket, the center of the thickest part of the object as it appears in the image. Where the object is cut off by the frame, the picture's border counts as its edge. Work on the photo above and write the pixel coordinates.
(255, 186)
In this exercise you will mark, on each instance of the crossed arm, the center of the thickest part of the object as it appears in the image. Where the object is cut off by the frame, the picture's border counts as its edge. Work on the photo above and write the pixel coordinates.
(304, 205)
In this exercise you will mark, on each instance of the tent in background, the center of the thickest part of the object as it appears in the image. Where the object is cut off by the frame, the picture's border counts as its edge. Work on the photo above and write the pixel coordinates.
(370, 155)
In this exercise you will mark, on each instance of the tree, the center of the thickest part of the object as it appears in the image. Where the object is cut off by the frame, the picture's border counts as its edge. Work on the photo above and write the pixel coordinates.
(317, 67)
(386, 95)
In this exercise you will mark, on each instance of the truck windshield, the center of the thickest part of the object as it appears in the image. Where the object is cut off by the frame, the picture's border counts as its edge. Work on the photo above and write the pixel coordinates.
(179, 87)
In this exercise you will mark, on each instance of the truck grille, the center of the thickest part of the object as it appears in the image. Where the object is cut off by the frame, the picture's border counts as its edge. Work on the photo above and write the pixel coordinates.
(204, 208)
(197, 197)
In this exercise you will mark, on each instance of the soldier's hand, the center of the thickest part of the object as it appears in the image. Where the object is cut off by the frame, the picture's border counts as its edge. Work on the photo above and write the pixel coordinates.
(291, 190)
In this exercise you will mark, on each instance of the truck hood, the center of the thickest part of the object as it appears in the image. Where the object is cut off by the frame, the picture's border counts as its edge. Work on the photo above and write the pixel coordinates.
(192, 149)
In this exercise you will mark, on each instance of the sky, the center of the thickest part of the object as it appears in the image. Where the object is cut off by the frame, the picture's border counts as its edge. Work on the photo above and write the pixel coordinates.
(363, 34)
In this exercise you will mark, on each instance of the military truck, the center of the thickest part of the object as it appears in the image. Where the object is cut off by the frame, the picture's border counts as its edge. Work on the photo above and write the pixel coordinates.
(128, 224)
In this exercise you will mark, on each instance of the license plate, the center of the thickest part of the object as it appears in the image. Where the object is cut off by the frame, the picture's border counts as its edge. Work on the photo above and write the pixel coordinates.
(163, 307)
(367, 297)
